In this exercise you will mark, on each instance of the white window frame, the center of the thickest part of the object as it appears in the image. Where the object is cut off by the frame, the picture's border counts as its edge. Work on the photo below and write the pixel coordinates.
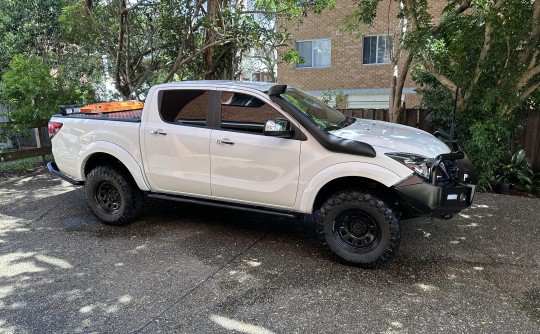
(377, 62)
(301, 66)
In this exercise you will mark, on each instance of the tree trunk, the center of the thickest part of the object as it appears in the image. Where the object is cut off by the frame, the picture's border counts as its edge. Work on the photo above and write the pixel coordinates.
(392, 113)
(398, 82)
(208, 55)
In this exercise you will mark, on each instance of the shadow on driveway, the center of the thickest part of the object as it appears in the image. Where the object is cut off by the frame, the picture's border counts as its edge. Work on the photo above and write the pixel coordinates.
(193, 269)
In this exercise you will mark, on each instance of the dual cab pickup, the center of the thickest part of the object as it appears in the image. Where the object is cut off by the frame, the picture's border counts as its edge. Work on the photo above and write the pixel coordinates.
(264, 148)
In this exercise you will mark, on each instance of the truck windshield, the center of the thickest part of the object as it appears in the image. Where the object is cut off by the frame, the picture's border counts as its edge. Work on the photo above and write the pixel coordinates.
(326, 118)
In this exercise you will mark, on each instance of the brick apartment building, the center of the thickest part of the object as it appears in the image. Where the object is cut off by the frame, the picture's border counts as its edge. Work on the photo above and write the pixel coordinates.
(358, 66)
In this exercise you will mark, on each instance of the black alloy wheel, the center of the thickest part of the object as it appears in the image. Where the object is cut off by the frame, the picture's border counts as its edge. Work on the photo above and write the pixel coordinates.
(357, 231)
(113, 195)
(108, 197)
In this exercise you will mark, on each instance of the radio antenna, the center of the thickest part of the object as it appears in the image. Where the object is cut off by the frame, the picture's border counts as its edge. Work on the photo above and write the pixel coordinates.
(453, 128)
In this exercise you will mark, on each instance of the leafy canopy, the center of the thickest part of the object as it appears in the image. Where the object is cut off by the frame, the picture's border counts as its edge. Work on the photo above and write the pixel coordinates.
(489, 49)
(33, 91)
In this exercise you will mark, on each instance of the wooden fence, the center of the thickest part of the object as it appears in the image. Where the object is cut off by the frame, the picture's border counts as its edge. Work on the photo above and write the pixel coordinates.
(375, 114)
(411, 117)
(528, 138)
(35, 144)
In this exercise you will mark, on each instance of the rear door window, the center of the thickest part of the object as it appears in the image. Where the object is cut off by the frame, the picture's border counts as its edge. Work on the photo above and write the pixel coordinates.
(184, 106)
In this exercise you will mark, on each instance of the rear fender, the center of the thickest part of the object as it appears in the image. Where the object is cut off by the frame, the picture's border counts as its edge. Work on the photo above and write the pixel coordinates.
(117, 152)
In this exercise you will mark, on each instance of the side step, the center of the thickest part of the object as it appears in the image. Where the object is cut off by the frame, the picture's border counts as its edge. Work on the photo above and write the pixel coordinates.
(218, 204)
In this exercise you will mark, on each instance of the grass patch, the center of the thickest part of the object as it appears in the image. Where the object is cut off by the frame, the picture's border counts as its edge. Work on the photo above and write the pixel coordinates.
(23, 165)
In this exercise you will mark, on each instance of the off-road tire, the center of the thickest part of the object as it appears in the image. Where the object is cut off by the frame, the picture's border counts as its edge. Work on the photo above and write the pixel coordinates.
(359, 229)
(113, 196)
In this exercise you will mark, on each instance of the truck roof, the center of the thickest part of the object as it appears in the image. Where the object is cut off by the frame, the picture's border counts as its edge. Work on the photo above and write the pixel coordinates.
(257, 85)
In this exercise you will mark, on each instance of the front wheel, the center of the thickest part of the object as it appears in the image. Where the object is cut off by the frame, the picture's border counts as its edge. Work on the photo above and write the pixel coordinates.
(112, 195)
(359, 229)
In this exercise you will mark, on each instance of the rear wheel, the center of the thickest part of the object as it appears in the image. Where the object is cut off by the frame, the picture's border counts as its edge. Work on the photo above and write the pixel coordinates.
(113, 196)
(359, 229)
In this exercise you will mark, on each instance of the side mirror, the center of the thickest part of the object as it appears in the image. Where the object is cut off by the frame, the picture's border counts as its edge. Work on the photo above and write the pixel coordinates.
(278, 128)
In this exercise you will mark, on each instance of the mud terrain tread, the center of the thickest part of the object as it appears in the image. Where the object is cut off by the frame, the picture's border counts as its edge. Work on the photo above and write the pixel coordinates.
(383, 214)
(132, 196)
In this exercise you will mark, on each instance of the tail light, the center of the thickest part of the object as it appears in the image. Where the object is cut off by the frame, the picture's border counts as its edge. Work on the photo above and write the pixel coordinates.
(54, 127)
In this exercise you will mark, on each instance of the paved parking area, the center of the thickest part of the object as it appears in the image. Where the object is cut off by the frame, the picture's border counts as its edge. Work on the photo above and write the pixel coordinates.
(192, 269)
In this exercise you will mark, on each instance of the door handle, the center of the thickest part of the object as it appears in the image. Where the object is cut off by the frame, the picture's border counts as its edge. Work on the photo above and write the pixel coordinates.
(158, 132)
(224, 142)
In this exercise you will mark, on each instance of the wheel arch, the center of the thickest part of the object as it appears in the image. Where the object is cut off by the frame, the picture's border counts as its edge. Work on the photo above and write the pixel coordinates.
(111, 154)
(346, 183)
(347, 176)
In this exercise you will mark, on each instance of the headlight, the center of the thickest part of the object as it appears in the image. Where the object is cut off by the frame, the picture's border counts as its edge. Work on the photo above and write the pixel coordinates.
(417, 163)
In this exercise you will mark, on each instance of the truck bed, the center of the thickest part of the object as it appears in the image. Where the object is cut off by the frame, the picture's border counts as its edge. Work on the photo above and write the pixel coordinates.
(126, 116)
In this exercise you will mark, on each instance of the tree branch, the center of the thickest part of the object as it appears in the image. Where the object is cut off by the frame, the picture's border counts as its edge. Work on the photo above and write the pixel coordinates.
(483, 55)
(528, 75)
(119, 47)
(524, 95)
(535, 34)
(128, 55)
(105, 33)
(409, 7)
(179, 61)
(460, 9)
(138, 4)
(451, 86)
(533, 61)
(527, 92)
(263, 12)
(499, 4)
(142, 77)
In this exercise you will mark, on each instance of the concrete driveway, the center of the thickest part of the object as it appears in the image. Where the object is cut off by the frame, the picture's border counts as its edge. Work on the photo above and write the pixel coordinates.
(192, 269)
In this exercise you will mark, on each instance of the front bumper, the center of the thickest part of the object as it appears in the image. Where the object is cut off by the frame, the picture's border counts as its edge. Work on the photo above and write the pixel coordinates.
(428, 199)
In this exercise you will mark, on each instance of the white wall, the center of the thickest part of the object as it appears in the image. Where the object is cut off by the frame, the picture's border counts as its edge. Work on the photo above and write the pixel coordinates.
(368, 101)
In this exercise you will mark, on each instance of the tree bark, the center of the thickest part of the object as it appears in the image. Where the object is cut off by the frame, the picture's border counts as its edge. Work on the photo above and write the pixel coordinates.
(208, 55)
(399, 79)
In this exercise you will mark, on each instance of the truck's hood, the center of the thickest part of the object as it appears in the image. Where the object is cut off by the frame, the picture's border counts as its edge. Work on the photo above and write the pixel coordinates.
(394, 137)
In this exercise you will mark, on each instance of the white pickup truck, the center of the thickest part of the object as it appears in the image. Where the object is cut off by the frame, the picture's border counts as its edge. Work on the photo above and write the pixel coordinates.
(264, 148)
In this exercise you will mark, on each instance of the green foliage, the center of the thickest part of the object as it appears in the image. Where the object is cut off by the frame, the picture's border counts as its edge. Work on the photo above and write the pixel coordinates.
(292, 9)
(29, 26)
(487, 142)
(486, 135)
(161, 41)
(38, 70)
(337, 97)
(22, 165)
(61, 51)
(364, 16)
(489, 49)
(436, 98)
(33, 93)
(132, 58)
(292, 57)
(519, 172)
